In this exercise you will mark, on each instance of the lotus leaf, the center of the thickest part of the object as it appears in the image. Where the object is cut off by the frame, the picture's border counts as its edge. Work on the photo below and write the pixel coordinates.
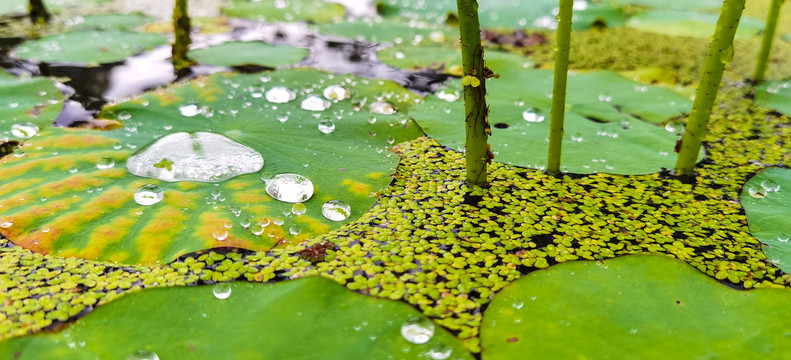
(775, 95)
(88, 46)
(447, 59)
(689, 23)
(392, 31)
(249, 53)
(307, 318)
(62, 198)
(111, 21)
(634, 307)
(27, 100)
(315, 11)
(766, 198)
(614, 129)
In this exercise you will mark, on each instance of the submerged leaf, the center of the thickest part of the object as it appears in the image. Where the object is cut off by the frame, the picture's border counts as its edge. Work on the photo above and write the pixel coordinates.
(242, 321)
(766, 198)
(634, 307)
(90, 210)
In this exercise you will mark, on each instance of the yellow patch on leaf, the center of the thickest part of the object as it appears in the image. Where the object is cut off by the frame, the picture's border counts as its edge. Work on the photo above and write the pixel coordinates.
(252, 196)
(81, 140)
(158, 233)
(357, 187)
(237, 184)
(375, 175)
(13, 186)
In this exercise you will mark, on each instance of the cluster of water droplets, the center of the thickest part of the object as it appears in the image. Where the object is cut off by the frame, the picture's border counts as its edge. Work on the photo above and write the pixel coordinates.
(767, 186)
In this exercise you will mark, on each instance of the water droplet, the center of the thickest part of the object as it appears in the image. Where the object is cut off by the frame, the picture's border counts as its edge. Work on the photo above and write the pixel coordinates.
(105, 162)
(149, 194)
(222, 291)
(200, 156)
(299, 209)
(770, 185)
(327, 126)
(257, 229)
(24, 130)
(5, 224)
(417, 330)
(675, 127)
(532, 115)
(576, 137)
(336, 92)
(73, 169)
(314, 103)
(390, 140)
(336, 210)
(439, 352)
(216, 193)
(290, 187)
(278, 220)
(518, 304)
(280, 95)
(382, 107)
(143, 355)
(220, 234)
(605, 98)
(756, 193)
(726, 55)
(782, 237)
(449, 96)
(189, 110)
(633, 331)
(294, 230)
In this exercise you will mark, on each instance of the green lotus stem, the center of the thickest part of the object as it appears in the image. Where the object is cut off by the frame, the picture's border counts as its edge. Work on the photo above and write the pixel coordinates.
(720, 53)
(182, 29)
(766, 42)
(38, 12)
(556, 115)
(475, 109)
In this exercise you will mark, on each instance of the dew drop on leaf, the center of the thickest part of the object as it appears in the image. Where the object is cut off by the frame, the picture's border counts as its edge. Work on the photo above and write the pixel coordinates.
(314, 103)
(105, 162)
(299, 209)
(382, 107)
(336, 210)
(290, 187)
(756, 193)
(532, 115)
(280, 95)
(143, 355)
(336, 92)
(24, 130)
(327, 126)
(222, 291)
(149, 194)
(417, 330)
(189, 110)
(770, 185)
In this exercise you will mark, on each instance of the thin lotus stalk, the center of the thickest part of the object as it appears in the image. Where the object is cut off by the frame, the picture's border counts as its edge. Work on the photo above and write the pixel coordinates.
(557, 114)
(476, 112)
(720, 54)
(38, 12)
(182, 28)
(766, 42)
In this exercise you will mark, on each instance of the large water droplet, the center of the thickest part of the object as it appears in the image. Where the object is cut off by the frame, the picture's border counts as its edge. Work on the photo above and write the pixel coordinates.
(770, 185)
(782, 237)
(105, 162)
(533, 115)
(280, 95)
(417, 330)
(675, 127)
(327, 126)
(222, 291)
(143, 355)
(24, 130)
(382, 107)
(293, 188)
(314, 103)
(756, 192)
(5, 224)
(336, 210)
(149, 194)
(336, 92)
(189, 110)
(201, 156)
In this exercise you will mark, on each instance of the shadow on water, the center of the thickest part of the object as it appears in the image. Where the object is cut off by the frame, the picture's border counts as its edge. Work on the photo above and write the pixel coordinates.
(88, 88)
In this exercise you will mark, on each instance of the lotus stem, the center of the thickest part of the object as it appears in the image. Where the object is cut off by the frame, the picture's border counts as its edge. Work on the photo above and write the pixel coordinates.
(476, 112)
(768, 37)
(720, 54)
(557, 114)
(38, 12)
(182, 29)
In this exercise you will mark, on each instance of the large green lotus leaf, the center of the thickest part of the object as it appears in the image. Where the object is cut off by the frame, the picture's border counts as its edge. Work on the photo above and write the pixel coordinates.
(20, 6)
(775, 95)
(689, 23)
(249, 53)
(767, 201)
(604, 132)
(534, 14)
(55, 200)
(27, 100)
(392, 31)
(672, 4)
(308, 318)
(634, 307)
(447, 59)
(316, 11)
(110, 21)
(88, 46)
